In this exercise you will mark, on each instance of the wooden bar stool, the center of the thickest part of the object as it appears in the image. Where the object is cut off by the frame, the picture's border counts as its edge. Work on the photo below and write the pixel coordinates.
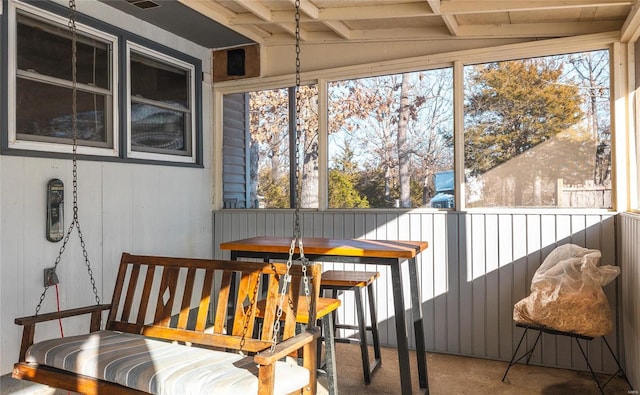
(338, 280)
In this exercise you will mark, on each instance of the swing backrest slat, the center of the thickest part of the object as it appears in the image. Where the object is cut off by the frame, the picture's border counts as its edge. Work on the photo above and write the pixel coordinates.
(126, 311)
(183, 298)
(223, 298)
(185, 307)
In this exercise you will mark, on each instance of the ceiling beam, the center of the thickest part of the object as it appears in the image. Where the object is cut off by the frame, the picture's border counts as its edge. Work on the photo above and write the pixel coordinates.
(411, 10)
(225, 17)
(475, 7)
(339, 28)
(527, 30)
(452, 25)
(308, 8)
(631, 27)
(256, 8)
(385, 35)
(383, 11)
(435, 6)
(449, 20)
(255, 22)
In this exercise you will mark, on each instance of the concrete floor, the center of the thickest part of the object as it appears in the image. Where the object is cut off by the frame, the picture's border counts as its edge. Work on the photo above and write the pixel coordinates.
(447, 375)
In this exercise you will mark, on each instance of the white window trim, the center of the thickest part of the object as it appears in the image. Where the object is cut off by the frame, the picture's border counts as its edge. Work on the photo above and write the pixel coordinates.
(192, 98)
(13, 142)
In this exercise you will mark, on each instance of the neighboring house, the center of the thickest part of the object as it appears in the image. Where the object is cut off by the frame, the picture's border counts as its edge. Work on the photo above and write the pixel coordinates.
(519, 182)
(146, 189)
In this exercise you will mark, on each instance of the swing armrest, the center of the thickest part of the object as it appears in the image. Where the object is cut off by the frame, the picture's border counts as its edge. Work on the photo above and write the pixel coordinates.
(29, 323)
(286, 347)
(34, 319)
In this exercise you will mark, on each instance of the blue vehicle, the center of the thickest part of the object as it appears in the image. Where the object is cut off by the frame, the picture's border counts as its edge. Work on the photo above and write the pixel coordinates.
(444, 182)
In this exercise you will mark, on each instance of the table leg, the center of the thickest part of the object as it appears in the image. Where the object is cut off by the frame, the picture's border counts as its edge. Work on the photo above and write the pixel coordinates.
(418, 326)
(401, 329)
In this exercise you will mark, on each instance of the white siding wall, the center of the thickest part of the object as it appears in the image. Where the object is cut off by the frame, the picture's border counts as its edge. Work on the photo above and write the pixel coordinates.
(123, 207)
(630, 303)
(476, 267)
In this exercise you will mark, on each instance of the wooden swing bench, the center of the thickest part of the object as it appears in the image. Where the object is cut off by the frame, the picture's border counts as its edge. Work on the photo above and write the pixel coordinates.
(158, 339)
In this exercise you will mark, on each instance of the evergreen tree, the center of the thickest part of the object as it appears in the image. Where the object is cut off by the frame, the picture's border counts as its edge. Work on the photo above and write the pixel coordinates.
(513, 106)
(342, 183)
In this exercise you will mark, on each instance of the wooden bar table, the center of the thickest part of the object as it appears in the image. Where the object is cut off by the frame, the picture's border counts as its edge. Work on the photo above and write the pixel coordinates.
(374, 252)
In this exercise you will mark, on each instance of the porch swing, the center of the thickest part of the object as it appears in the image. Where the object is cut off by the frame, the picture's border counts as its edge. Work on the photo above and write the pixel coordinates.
(159, 337)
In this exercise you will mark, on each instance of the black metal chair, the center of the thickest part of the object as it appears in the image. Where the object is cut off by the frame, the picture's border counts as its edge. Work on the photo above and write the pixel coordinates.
(577, 337)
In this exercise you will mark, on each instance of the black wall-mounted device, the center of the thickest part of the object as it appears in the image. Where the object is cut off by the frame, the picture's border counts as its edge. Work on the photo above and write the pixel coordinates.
(55, 210)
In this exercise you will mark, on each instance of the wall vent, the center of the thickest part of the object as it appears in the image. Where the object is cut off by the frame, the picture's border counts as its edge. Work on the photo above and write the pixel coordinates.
(143, 4)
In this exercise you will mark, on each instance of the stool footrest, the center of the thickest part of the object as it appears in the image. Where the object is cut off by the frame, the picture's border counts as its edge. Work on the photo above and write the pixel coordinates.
(347, 340)
(347, 326)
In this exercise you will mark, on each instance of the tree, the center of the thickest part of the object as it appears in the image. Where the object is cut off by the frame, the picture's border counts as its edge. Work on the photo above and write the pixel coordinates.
(270, 145)
(398, 123)
(308, 113)
(592, 70)
(274, 191)
(268, 119)
(403, 144)
(513, 106)
(342, 180)
(372, 183)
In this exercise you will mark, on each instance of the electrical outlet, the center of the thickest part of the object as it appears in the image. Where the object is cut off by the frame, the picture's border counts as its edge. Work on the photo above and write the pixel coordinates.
(50, 277)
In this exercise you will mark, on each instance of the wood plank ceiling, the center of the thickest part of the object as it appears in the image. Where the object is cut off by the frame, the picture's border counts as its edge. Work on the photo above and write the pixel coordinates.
(324, 21)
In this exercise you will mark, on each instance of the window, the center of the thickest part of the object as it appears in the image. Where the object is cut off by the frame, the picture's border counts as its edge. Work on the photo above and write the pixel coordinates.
(42, 118)
(391, 141)
(534, 132)
(537, 132)
(258, 143)
(159, 119)
(160, 112)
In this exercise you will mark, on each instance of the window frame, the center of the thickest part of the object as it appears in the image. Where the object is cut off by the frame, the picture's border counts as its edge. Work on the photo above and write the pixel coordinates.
(460, 134)
(111, 121)
(191, 155)
(235, 199)
(448, 69)
(53, 13)
(457, 59)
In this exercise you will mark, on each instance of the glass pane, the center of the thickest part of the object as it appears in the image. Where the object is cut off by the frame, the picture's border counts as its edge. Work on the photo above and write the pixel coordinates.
(158, 81)
(390, 137)
(45, 110)
(269, 148)
(308, 145)
(46, 49)
(157, 128)
(538, 132)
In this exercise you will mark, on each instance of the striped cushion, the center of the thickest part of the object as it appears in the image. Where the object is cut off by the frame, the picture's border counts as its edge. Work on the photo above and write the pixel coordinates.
(160, 367)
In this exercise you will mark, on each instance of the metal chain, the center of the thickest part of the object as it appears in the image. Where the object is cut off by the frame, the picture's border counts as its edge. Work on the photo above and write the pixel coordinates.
(297, 232)
(74, 127)
(299, 166)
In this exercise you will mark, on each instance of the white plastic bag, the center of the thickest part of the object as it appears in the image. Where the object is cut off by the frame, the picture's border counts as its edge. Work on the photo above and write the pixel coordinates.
(566, 293)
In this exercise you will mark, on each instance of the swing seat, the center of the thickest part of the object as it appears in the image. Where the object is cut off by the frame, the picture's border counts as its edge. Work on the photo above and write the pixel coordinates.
(158, 340)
